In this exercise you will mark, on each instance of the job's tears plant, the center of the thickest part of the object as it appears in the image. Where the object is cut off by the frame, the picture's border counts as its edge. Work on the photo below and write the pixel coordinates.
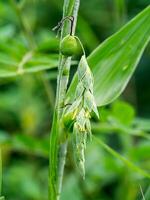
(100, 78)
(76, 116)
(112, 65)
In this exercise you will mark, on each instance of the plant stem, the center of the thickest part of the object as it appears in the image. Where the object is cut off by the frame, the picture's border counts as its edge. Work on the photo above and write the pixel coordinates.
(0, 172)
(62, 160)
(56, 167)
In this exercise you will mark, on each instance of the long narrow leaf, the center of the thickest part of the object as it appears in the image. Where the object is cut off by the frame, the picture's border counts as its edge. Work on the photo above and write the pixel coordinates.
(10, 68)
(131, 165)
(114, 61)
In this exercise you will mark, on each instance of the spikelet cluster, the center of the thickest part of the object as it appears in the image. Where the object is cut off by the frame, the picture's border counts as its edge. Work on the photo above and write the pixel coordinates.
(79, 113)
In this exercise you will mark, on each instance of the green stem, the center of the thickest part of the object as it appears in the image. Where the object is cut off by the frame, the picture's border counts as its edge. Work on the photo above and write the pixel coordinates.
(58, 151)
(0, 172)
(62, 160)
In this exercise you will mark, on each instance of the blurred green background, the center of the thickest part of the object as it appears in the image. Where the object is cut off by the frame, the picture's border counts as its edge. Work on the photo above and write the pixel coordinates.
(27, 102)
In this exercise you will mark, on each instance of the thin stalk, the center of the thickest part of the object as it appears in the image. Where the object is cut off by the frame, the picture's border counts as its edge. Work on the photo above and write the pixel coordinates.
(143, 198)
(63, 146)
(58, 151)
(122, 158)
(0, 172)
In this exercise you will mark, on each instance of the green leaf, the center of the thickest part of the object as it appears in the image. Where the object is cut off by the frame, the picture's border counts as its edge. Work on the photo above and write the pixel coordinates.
(6, 32)
(115, 60)
(131, 165)
(123, 112)
(147, 194)
(2, 198)
(143, 124)
(140, 152)
(35, 63)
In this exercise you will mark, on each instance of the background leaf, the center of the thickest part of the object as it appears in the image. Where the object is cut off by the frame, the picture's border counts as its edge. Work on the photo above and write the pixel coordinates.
(131, 165)
(36, 63)
(115, 60)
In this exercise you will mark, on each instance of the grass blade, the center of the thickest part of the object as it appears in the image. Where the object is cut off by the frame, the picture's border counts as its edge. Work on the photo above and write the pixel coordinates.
(115, 60)
(143, 198)
(122, 158)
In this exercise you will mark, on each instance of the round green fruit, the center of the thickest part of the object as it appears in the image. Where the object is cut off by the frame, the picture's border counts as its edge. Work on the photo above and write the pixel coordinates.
(70, 46)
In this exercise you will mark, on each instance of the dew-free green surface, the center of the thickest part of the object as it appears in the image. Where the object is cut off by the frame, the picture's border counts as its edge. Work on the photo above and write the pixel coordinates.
(115, 60)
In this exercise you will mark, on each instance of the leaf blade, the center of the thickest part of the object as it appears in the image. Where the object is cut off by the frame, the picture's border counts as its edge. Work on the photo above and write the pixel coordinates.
(35, 64)
(115, 60)
(122, 158)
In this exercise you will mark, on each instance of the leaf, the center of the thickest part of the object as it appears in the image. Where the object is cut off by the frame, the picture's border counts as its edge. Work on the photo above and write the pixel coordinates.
(143, 124)
(143, 198)
(6, 32)
(140, 152)
(123, 159)
(109, 128)
(28, 144)
(10, 67)
(147, 194)
(123, 112)
(115, 60)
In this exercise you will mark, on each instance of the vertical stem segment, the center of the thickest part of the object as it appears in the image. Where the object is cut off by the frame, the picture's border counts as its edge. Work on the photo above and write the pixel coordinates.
(0, 172)
(58, 149)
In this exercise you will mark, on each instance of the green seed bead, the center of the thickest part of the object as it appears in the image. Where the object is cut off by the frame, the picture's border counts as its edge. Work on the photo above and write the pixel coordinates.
(70, 46)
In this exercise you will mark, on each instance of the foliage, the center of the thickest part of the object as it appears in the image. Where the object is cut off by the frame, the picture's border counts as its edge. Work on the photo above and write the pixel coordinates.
(117, 159)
